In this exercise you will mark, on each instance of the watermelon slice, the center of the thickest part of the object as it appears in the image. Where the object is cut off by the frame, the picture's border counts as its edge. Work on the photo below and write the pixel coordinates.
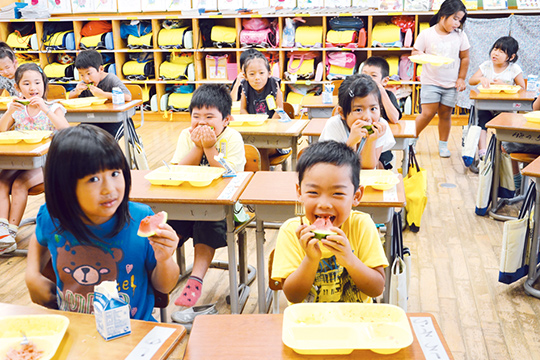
(323, 228)
(22, 101)
(150, 224)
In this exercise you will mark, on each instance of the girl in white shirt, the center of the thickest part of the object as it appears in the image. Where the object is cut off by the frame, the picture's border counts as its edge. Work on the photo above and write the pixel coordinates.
(502, 69)
(359, 107)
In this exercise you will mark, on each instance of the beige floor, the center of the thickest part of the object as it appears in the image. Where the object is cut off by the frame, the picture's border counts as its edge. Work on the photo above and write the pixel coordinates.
(455, 260)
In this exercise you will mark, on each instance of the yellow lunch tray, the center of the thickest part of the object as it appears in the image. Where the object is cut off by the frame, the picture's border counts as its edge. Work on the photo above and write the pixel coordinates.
(197, 176)
(378, 179)
(434, 60)
(28, 136)
(340, 328)
(495, 89)
(44, 331)
(235, 107)
(248, 119)
(533, 116)
(83, 102)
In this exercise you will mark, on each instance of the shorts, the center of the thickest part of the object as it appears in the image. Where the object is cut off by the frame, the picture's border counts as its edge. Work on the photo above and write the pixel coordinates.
(211, 233)
(513, 147)
(386, 159)
(484, 116)
(431, 94)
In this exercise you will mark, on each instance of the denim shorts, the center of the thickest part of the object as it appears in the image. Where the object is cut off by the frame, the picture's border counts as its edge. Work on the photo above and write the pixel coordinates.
(430, 94)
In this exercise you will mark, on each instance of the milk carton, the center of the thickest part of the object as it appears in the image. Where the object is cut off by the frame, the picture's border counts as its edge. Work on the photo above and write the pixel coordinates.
(328, 93)
(111, 311)
(532, 83)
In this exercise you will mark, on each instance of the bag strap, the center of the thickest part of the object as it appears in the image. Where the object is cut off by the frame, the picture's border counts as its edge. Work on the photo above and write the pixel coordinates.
(530, 199)
(413, 162)
(295, 69)
(397, 237)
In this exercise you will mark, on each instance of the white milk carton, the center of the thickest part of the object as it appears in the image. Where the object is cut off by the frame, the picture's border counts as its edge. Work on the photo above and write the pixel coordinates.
(111, 311)
(328, 93)
(532, 83)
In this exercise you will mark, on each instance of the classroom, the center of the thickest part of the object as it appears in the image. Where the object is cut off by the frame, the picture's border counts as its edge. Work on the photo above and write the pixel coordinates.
(147, 148)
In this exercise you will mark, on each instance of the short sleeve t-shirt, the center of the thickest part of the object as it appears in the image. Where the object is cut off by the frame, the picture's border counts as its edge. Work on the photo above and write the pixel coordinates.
(507, 75)
(450, 45)
(394, 101)
(23, 121)
(256, 101)
(107, 84)
(127, 258)
(332, 281)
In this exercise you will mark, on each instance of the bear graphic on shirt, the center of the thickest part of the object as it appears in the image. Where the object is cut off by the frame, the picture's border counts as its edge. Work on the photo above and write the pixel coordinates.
(80, 268)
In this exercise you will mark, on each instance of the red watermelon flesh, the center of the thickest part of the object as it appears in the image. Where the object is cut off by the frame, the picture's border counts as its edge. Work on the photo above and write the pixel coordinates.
(323, 226)
(150, 224)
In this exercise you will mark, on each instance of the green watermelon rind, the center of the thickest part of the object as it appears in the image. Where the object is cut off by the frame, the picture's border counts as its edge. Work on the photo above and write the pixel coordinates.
(322, 234)
(152, 233)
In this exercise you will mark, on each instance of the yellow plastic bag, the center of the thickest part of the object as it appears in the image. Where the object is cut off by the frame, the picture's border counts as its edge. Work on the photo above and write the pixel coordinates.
(415, 184)
(309, 36)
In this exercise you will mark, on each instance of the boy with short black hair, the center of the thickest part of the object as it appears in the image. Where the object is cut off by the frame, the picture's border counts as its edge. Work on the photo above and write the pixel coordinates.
(207, 137)
(96, 82)
(347, 266)
(379, 70)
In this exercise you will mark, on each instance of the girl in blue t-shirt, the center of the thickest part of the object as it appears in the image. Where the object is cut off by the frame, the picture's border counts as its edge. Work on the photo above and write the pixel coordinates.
(90, 229)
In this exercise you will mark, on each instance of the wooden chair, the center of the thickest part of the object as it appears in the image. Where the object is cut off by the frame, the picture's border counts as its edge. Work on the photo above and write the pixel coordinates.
(56, 92)
(289, 109)
(136, 94)
(525, 159)
(337, 84)
(247, 272)
(274, 286)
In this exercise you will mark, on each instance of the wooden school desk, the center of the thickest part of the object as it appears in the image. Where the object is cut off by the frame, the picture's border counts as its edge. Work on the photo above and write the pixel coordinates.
(23, 156)
(533, 170)
(273, 195)
(316, 108)
(82, 341)
(274, 134)
(402, 131)
(522, 101)
(259, 336)
(104, 113)
(185, 202)
(514, 128)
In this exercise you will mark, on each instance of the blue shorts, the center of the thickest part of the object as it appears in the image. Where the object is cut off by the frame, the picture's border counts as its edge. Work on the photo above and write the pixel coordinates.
(431, 94)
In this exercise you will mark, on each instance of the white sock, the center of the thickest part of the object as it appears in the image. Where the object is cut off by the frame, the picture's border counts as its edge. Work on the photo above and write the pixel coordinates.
(443, 144)
(4, 221)
(13, 227)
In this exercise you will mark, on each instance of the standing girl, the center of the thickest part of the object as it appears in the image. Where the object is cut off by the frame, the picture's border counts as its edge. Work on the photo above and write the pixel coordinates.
(440, 84)
(501, 69)
(31, 82)
(261, 95)
(90, 229)
(8, 65)
(359, 107)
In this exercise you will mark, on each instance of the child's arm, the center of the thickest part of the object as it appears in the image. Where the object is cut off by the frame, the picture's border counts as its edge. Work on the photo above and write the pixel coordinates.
(166, 272)
(236, 86)
(42, 290)
(75, 93)
(536, 104)
(463, 67)
(391, 111)
(298, 284)
(279, 103)
(371, 153)
(478, 77)
(518, 80)
(369, 280)
(7, 119)
(243, 104)
(57, 117)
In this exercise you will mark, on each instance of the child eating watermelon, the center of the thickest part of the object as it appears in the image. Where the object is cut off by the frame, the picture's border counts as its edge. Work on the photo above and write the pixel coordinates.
(347, 264)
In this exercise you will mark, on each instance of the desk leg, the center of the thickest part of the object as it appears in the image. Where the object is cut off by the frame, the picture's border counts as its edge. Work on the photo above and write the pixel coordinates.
(533, 274)
(261, 272)
(231, 248)
(387, 247)
(294, 150)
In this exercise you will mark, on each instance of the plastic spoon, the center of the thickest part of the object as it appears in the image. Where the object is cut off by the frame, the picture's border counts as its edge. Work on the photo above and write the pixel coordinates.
(168, 167)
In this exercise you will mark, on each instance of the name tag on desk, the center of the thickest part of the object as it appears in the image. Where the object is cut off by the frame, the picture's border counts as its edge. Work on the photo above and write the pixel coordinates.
(90, 115)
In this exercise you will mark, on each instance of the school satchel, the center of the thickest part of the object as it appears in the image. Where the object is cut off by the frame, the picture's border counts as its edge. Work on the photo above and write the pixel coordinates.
(181, 38)
(347, 38)
(22, 43)
(216, 67)
(178, 67)
(223, 36)
(59, 72)
(64, 40)
(386, 35)
(142, 42)
(309, 36)
(301, 65)
(179, 102)
(343, 23)
(101, 41)
(134, 70)
(339, 65)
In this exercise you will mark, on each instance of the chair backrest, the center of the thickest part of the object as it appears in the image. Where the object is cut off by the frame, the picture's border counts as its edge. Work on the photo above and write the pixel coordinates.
(136, 91)
(272, 284)
(253, 158)
(56, 92)
(289, 109)
(337, 84)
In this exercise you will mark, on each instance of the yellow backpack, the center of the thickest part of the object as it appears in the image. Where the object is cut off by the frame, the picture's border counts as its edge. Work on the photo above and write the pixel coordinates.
(179, 102)
(178, 67)
(143, 42)
(309, 36)
(181, 38)
(17, 42)
(134, 70)
(60, 72)
(386, 35)
(100, 41)
(223, 36)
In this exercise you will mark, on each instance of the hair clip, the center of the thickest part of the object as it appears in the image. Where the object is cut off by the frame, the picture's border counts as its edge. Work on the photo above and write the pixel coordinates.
(351, 93)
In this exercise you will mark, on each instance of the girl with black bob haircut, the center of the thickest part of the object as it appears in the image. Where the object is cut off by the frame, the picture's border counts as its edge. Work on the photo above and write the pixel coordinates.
(449, 8)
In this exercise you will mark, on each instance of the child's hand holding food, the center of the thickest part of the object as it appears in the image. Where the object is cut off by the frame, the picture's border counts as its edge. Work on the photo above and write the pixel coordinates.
(208, 136)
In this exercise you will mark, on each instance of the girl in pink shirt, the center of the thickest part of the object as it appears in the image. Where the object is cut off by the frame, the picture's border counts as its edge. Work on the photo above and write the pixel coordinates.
(440, 84)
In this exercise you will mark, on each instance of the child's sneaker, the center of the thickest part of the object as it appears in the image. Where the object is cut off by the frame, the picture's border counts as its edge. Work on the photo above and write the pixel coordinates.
(7, 241)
